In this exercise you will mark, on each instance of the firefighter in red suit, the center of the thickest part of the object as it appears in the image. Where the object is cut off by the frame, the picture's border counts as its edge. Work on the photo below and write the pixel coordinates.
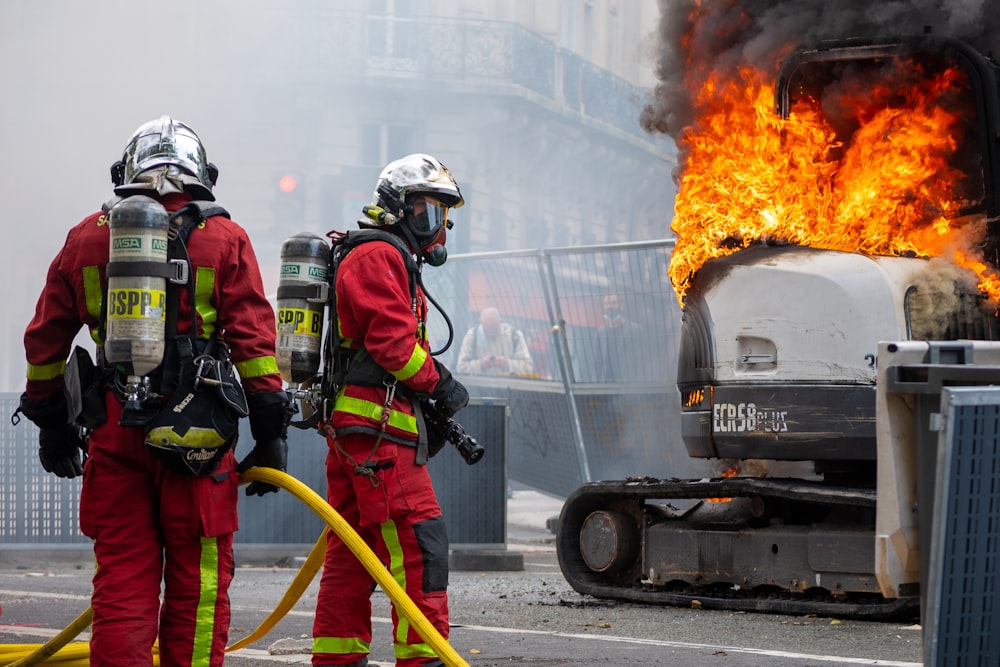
(376, 472)
(148, 522)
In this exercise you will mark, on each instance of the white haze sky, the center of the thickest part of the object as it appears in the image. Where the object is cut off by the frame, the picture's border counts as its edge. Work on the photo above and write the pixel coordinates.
(77, 78)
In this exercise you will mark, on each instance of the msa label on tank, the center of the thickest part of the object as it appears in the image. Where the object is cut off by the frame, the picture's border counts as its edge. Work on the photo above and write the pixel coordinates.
(137, 303)
(747, 418)
(300, 321)
(134, 245)
(310, 272)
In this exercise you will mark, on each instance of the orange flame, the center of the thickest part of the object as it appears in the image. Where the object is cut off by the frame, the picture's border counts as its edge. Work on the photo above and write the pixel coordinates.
(728, 472)
(889, 189)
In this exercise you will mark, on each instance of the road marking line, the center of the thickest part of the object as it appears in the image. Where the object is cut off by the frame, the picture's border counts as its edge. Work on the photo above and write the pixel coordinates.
(300, 659)
(709, 647)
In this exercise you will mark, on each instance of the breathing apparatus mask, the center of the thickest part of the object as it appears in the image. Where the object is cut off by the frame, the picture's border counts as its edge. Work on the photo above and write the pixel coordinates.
(423, 221)
(413, 195)
(430, 227)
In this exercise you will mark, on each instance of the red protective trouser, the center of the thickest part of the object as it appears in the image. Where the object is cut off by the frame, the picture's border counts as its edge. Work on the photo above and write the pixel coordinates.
(399, 518)
(150, 524)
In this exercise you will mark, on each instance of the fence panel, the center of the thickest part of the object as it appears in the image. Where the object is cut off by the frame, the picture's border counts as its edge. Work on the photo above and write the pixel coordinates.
(601, 399)
(38, 508)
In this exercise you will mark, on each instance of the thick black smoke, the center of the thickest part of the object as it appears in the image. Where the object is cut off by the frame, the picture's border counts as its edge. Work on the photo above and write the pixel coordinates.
(700, 37)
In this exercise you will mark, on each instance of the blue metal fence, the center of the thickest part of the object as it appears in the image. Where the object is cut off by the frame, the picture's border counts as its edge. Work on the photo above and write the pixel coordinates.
(38, 508)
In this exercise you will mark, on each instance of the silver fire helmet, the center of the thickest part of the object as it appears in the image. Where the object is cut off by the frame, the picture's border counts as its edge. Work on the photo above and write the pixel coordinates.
(415, 174)
(165, 141)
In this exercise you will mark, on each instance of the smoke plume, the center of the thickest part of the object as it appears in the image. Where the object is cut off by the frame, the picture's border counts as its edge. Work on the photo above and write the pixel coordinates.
(700, 37)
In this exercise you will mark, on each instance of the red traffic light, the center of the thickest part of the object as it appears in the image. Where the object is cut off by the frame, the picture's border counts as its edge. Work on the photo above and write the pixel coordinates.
(287, 183)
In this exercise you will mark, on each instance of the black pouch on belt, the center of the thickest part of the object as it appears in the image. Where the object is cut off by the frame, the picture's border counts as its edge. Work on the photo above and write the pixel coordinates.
(84, 388)
(199, 423)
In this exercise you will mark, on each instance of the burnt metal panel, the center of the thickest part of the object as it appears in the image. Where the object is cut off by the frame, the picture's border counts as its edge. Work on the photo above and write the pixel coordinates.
(794, 422)
(797, 557)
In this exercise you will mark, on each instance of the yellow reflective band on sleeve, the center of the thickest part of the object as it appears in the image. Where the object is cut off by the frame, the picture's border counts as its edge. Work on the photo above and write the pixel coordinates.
(340, 645)
(46, 371)
(371, 410)
(204, 287)
(254, 368)
(415, 363)
(204, 628)
(93, 294)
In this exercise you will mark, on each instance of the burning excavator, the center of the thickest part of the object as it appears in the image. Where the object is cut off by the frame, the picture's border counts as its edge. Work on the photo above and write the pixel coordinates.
(854, 200)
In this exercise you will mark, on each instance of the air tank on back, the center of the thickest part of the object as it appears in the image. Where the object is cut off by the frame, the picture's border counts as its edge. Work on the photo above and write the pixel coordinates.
(302, 297)
(136, 311)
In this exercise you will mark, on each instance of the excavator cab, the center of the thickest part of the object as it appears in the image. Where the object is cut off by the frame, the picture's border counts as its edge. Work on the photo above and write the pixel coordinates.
(778, 343)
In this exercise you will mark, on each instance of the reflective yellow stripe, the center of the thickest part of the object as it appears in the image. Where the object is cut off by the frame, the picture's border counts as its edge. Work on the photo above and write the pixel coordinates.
(415, 363)
(204, 287)
(46, 371)
(391, 538)
(204, 629)
(401, 649)
(253, 368)
(339, 645)
(93, 294)
(194, 436)
(412, 650)
(372, 410)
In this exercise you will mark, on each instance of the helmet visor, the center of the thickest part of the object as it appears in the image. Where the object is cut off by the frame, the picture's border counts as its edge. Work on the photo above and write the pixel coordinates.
(429, 216)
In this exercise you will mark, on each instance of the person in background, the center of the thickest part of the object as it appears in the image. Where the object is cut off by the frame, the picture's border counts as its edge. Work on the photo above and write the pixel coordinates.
(494, 347)
(618, 355)
(152, 524)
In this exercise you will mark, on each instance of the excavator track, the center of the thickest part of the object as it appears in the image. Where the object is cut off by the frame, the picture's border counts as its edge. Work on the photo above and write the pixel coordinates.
(622, 540)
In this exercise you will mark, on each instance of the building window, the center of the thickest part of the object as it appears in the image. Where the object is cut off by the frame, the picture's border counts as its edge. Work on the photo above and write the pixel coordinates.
(588, 31)
(381, 142)
(391, 31)
(614, 43)
(568, 29)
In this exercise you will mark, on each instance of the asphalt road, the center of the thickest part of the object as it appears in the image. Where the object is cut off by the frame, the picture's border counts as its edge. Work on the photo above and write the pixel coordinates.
(526, 616)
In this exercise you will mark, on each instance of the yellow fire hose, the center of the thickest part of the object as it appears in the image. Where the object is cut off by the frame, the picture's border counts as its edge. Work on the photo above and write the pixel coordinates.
(58, 651)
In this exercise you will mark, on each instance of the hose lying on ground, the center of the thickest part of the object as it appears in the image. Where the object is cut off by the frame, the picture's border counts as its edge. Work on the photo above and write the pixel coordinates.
(56, 652)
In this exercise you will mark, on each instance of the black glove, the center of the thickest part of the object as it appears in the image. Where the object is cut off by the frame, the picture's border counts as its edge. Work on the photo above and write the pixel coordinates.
(50, 413)
(449, 395)
(437, 436)
(265, 454)
(270, 413)
(59, 450)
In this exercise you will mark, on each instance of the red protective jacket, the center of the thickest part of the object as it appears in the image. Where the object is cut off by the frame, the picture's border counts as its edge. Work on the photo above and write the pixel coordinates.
(374, 309)
(229, 297)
